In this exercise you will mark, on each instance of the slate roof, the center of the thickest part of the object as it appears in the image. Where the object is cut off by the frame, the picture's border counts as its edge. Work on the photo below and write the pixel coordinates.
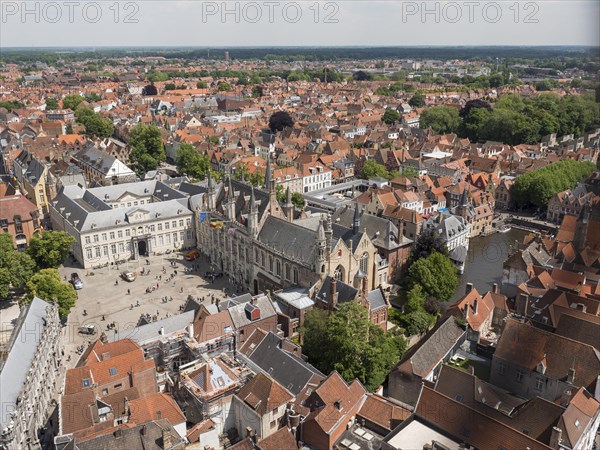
(288, 370)
(22, 350)
(428, 352)
(295, 242)
(345, 292)
(86, 207)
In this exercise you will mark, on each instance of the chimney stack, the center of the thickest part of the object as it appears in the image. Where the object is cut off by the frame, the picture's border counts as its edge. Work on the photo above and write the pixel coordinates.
(333, 292)
(468, 288)
(191, 330)
(475, 306)
(495, 288)
(522, 304)
(571, 375)
(167, 439)
(365, 285)
(555, 438)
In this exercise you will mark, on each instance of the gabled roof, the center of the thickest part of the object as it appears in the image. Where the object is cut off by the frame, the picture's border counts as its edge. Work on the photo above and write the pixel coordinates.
(429, 351)
(265, 350)
(470, 426)
(525, 346)
(263, 394)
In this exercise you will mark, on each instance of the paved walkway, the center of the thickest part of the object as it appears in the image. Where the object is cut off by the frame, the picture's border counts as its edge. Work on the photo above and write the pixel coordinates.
(103, 301)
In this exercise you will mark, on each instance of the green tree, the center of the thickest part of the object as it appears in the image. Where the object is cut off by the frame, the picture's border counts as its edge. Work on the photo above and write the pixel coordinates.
(51, 249)
(191, 162)
(436, 274)
(47, 285)
(348, 342)
(298, 200)
(95, 126)
(154, 77)
(535, 188)
(69, 129)
(147, 149)
(15, 267)
(390, 116)
(72, 101)
(223, 86)
(417, 100)
(170, 87)
(92, 97)
(417, 322)
(426, 243)
(51, 103)
(372, 169)
(201, 84)
(279, 121)
(415, 300)
(441, 119)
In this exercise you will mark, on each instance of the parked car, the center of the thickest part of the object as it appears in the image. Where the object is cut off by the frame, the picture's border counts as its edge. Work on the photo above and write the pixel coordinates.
(128, 276)
(87, 329)
(192, 255)
(76, 281)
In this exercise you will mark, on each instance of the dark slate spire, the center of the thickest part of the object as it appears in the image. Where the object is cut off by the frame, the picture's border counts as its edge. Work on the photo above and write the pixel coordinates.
(356, 222)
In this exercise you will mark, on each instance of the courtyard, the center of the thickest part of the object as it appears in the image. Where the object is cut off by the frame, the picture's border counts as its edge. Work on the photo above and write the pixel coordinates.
(114, 305)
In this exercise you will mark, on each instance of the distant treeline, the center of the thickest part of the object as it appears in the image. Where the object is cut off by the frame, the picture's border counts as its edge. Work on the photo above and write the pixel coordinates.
(555, 57)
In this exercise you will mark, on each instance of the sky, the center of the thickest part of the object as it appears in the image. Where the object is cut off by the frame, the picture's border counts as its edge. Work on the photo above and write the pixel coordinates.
(72, 23)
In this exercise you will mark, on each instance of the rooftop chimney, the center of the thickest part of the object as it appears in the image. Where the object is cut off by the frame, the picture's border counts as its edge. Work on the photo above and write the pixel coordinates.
(468, 288)
(522, 304)
(495, 288)
(333, 292)
(365, 285)
(571, 376)
(475, 306)
(167, 438)
(191, 330)
(162, 331)
(555, 438)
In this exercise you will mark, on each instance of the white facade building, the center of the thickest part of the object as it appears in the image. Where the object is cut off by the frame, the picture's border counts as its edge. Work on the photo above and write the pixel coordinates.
(121, 222)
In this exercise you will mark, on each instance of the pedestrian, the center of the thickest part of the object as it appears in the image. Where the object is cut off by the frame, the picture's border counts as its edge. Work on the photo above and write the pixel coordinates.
(128, 291)
(156, 285)
(138, 303)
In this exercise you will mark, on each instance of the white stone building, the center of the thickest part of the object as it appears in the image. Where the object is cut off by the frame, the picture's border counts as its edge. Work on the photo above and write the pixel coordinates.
(125, 221)
(28, 377)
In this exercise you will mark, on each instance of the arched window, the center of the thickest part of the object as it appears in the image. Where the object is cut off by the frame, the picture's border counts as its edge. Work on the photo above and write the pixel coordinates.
(287, 272)
(295, 276)
(364, 263)
(339, 273)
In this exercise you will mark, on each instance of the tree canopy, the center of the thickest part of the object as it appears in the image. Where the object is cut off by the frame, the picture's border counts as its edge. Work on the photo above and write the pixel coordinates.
(280, 120)
(51, 249)
(436, 274)
(441, 119)
(191, 162)
(390, 116)
(15, 267)
(47, 285)
(417, 100)
(95, 126)
(426, 243)
(147, 149)
(72, 101)
(348, 342)
(535, 188)
(51, 103)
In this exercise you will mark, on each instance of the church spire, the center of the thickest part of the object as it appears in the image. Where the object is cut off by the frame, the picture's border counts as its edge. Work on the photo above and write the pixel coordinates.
(356, 222)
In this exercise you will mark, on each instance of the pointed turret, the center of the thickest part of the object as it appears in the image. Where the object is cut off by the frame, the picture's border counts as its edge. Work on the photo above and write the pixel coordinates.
(356, 221)
(288, 208)
(252, 223)
(321, 248)
(390, 238)
(268, 174)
